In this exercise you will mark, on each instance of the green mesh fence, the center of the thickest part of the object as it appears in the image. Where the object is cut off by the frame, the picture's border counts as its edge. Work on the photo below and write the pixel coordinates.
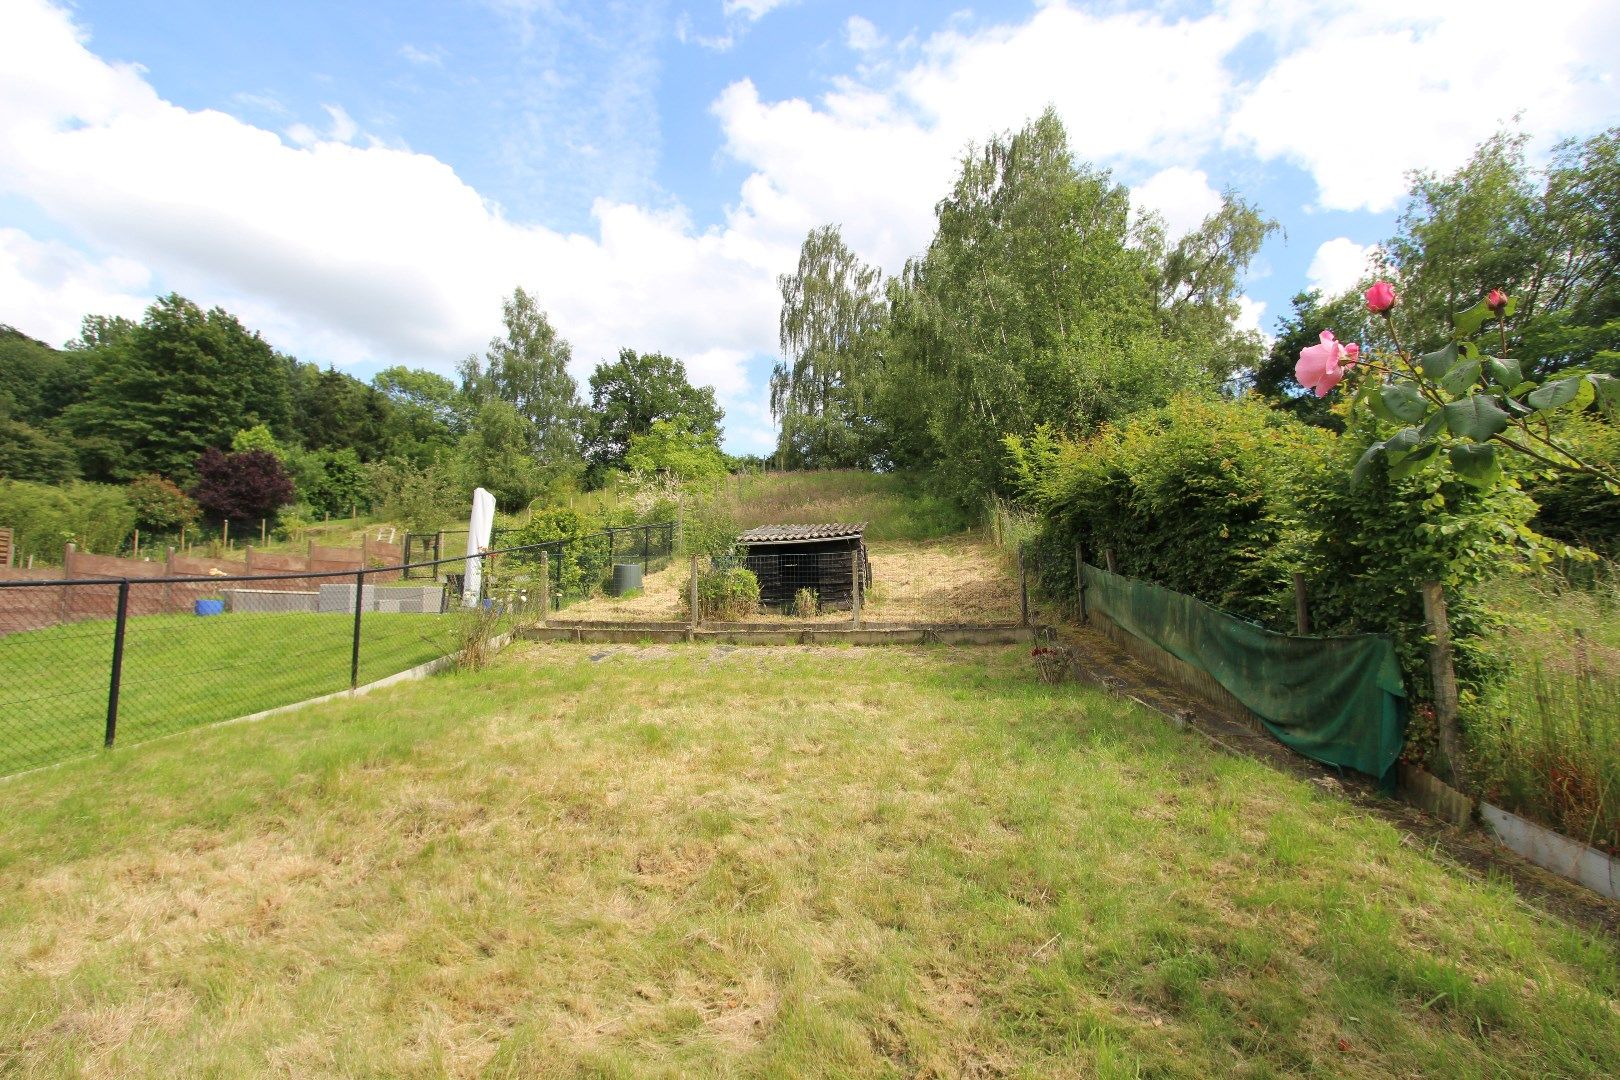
(1335, 699)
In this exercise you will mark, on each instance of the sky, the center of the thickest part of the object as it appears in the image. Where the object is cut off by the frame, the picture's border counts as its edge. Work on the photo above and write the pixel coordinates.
(364, 182)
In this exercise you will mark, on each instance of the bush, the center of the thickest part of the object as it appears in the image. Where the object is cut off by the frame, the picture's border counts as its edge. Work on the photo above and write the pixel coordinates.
(728, 594)
(1225, 501)
(159, 504)
(241, 486)
(97, 517)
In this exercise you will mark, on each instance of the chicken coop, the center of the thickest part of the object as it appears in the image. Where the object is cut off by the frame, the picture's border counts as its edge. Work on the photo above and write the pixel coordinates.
(821, 558)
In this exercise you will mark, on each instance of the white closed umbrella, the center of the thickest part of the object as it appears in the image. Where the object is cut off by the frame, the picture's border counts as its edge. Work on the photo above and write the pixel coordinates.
(478, 531)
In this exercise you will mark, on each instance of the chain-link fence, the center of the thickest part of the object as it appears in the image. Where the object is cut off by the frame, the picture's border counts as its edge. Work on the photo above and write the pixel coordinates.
(89, 661)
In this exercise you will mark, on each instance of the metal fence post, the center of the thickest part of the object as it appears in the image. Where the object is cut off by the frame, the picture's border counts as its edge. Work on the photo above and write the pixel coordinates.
(646, 547)
(117, 661)
(359, 606)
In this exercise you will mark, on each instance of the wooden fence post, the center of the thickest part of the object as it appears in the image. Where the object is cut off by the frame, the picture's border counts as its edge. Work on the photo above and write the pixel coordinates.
(1302, 612)
(692, 596)
(545, 589)
(1080, 581)
(1445, 681)
(855, 586)
(1023, 589)
(1108, 560)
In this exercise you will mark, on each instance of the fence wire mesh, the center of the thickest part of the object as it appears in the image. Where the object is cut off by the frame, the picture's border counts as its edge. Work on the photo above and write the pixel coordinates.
(86, 663)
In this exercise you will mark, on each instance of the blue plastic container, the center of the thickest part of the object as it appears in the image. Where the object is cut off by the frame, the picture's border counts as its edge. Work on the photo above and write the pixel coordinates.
(210, 607)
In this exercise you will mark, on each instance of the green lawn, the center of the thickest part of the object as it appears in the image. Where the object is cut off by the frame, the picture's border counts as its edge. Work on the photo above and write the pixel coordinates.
(181, 670)
(753, 862)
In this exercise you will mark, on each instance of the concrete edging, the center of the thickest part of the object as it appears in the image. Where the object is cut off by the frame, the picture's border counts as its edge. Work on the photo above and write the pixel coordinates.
(1550, 850)
(768, 634)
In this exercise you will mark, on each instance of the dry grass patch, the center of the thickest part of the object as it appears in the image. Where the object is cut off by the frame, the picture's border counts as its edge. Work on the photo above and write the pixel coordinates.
(954, 580)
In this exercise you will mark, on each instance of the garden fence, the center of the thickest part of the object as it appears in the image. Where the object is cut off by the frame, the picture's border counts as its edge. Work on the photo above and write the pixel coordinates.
(90, 660)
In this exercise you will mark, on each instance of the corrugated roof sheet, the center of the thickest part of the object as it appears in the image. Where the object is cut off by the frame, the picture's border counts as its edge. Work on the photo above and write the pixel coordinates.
(788, 534)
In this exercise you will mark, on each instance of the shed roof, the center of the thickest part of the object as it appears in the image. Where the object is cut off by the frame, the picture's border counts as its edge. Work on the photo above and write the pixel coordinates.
(799, 534)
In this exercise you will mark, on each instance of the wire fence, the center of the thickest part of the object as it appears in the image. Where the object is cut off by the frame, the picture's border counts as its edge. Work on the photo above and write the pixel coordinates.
(89, 661)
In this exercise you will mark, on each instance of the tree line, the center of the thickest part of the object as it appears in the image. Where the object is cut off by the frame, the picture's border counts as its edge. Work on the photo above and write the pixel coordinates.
(194, 413)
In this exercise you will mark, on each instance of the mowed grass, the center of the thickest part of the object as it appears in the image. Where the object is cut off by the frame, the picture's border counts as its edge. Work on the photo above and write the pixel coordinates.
(181, 670)
(768, 862)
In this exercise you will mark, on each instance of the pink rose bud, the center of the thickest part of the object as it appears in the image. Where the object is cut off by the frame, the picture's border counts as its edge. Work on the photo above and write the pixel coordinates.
(1380, 298)
(1496, 301)
(1352, 353)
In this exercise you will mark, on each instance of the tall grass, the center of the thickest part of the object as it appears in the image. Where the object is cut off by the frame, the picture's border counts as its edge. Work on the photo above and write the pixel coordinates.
(1549, 746)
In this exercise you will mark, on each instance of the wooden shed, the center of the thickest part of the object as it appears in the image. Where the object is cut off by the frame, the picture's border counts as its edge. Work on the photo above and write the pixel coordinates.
(821, 558)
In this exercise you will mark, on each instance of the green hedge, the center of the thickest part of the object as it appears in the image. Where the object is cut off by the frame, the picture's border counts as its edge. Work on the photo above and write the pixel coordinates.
(1225, 501)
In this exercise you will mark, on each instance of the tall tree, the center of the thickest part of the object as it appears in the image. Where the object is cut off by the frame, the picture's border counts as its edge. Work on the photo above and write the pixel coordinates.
(1042, 301)
(181, 381)
(822, 388)
(336, 411)
(631, 394)
(427, 412)
(528, 369)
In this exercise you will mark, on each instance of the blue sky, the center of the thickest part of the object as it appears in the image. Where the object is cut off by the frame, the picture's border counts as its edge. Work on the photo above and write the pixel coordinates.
(364, 182)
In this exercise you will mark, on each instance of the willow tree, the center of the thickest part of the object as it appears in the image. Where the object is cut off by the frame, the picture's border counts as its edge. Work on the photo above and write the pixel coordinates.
(831, 323)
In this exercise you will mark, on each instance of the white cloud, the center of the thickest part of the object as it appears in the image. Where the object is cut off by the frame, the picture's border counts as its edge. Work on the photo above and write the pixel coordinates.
(422, 57)
(1365, 91)
(49, 287)
(861, 35)
(1339, 264)
(1182, 196)
(1250, 312)
(752, 10)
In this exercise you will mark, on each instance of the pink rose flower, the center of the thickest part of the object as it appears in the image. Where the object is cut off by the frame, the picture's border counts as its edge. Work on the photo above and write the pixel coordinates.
(1320, 367)
(1496, 301)
(1352, 353)
(1380, 298)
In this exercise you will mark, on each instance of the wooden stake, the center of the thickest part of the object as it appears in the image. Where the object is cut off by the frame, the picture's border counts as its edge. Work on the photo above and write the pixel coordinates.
(855, 587)
(1023, 590)
(137, 552)
(1445, 681)
(1080, 580)
(264, 531)
(1108, 560)
(692, 623)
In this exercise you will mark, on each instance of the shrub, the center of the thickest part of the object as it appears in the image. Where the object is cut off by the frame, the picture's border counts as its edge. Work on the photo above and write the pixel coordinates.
(159, 504)
(1225, 501)
(806, 604)
(725, 594)
(97, 517)
(241, 486)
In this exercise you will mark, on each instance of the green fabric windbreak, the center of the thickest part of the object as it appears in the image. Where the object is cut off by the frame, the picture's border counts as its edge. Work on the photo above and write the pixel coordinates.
(1335, 699)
